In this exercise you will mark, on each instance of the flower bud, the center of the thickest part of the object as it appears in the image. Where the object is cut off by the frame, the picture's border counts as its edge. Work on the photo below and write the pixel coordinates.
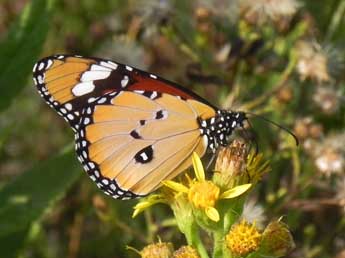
(230, 169)
(276, 240)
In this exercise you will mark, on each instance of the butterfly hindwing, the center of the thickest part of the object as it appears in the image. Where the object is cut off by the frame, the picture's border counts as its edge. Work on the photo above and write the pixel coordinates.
(128, 147)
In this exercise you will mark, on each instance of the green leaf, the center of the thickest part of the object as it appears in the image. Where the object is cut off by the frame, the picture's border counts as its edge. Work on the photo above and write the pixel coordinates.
(25, 199)
(21, 48)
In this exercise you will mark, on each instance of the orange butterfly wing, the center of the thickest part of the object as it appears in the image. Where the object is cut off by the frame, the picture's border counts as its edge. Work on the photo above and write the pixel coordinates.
(133, 129)
(130, 143)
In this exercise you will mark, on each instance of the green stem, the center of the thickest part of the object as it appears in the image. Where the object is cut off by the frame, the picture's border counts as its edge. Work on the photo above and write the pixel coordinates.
(193, 239)
(151, 227)
(220, 249)
(232, 215)
(336, 20)
(218, 237)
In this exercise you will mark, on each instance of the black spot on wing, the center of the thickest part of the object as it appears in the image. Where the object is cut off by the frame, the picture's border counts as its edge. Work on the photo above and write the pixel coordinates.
(159, 114)
(113, 81)
(145, 155)
(135, 134)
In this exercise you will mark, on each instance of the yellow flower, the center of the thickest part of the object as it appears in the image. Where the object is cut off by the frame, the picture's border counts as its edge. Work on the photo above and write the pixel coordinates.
(186, 252)
(243, 238)
(204, 194)
(256, 167)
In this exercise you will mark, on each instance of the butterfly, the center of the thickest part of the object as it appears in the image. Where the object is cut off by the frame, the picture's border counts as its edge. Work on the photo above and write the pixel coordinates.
(133, 129)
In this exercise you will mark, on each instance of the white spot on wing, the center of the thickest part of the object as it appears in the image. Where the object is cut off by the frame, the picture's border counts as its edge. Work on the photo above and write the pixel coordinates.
(92, 99)
(95, 67)
(83, 88)
(102, 100)
(41, 66)
(109, 64)
(40, 79)
(34, 69)
(86, 121)
(129, 68)
(153, 76)
(49, 63)
(153, 95)
(124, 81)
(68, 106)
(94, 75)
(144, 156)
(70, 116)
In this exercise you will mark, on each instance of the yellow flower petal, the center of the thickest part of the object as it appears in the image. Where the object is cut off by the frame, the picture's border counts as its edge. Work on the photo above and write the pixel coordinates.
(136, 212)
(236, 191)
(142, 205)
(212, 213)
(198, 168)
(175, 186)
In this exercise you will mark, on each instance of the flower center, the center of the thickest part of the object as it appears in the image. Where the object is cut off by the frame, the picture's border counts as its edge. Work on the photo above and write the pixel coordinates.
(203, 194)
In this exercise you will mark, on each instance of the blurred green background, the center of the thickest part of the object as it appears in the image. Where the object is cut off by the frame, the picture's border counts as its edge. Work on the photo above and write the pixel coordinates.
(284, 59)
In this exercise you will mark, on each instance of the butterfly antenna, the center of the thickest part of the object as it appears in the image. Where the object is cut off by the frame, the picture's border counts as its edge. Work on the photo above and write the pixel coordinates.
(275, 124)
(211, 161)
(254, 139)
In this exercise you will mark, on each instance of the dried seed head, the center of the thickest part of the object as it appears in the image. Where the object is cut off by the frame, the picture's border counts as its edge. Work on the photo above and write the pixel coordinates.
(329, 155)
(157, 250)
(231, 164)
(261, 11)
(277, 240)
(305, 128)
(328, 99)
(312, 62)
(186, 252)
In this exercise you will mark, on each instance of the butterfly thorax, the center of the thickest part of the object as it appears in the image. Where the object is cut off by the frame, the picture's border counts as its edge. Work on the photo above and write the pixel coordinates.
(217, 129)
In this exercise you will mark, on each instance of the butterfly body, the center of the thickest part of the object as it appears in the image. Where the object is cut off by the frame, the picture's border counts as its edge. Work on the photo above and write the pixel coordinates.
(132, 129)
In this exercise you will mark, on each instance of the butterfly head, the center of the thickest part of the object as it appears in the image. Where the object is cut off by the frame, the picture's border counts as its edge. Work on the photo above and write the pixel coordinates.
(219, 128)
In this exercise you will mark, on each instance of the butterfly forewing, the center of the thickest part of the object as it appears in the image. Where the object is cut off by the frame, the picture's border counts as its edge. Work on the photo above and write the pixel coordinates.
(69, 83)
